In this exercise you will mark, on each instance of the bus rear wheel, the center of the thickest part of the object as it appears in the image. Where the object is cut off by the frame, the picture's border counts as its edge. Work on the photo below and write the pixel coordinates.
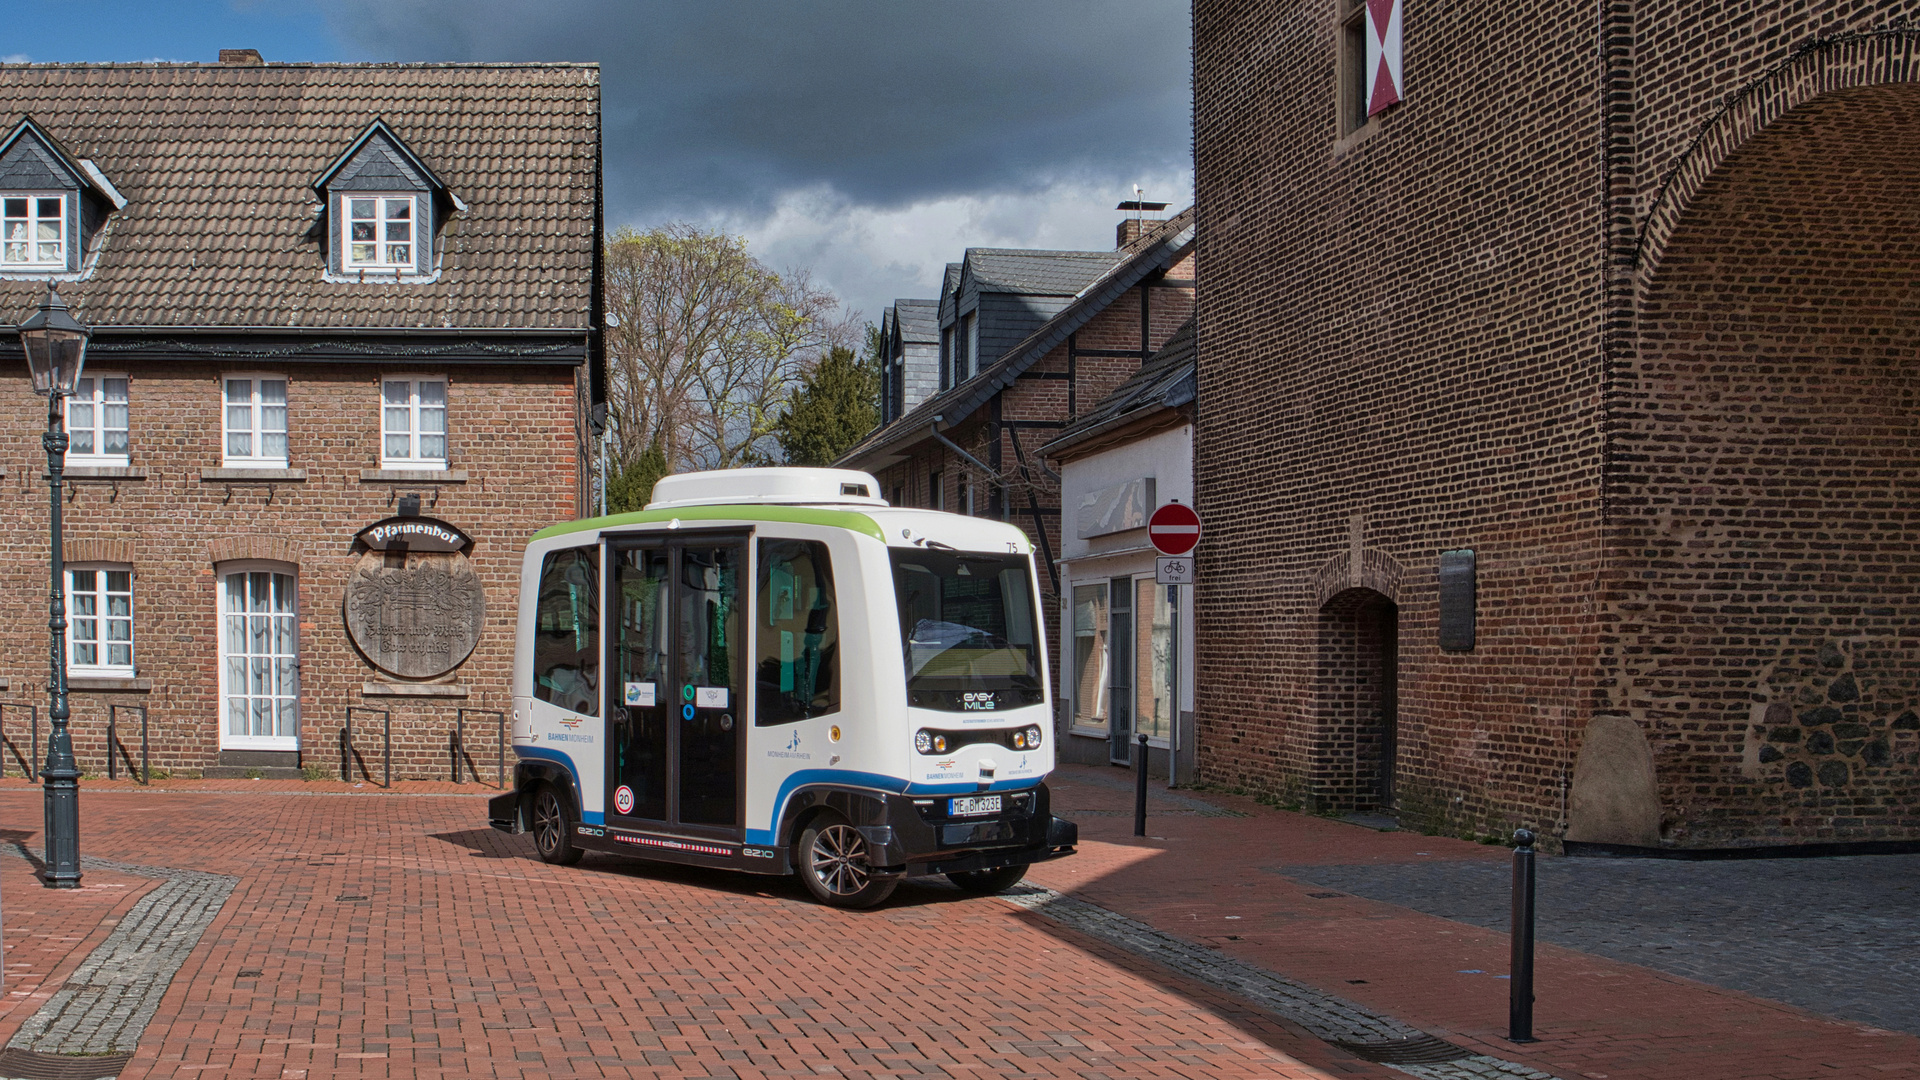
(552, 827)
(836, 864)
(988, 882)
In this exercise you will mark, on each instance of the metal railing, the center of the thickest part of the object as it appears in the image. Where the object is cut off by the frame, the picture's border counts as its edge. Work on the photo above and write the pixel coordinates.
(458, 749)
(113, 743)
(349, 756)
(27, 765)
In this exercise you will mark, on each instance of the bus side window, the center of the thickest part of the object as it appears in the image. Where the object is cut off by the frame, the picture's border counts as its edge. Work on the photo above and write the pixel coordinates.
(566, 633)
(798, 636)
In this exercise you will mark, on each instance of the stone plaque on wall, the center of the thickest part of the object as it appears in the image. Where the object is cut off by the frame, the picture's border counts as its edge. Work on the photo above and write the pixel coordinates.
(416, 615)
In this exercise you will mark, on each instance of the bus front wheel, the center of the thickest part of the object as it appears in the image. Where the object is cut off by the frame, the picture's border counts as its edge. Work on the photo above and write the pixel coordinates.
(836, 864)
(552, 828)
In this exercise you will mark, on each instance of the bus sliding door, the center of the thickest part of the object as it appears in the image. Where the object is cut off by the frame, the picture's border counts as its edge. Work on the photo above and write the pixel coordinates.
(677, 751)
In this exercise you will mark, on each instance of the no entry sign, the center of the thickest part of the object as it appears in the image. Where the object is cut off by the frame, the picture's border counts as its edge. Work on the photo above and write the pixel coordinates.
(1174, 529)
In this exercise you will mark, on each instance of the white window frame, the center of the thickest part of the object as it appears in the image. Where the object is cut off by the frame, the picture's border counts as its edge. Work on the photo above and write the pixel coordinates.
(973, 343)
(413, 458)
(96, 621)
(229, 740)
(98, 429)
(33, 218)
(257, 409)
(383, 244)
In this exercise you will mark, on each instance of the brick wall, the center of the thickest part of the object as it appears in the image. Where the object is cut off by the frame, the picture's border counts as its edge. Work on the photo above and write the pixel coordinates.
(511, 431)
(1422, 336)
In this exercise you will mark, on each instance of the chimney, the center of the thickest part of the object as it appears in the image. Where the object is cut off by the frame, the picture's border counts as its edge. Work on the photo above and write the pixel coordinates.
(244, 57)
(1137, 225)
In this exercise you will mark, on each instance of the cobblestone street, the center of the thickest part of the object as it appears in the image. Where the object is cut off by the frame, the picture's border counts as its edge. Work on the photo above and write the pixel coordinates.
(292, 930)
(1837, 936)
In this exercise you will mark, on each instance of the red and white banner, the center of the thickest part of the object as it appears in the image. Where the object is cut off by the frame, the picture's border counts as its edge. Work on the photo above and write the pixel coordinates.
(1383, 54)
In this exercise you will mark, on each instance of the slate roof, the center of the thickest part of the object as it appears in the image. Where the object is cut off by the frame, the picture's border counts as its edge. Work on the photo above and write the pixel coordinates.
(1165, 381)
(919, 320)
(216, 163)
(1162, 247)
(1037, 273)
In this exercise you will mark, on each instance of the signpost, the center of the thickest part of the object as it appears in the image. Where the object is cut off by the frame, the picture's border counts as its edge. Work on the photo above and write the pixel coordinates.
(1173, 529)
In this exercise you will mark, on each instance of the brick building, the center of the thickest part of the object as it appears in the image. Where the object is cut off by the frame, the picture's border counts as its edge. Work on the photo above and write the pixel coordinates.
(1027, 339)
(1557, 441)
(325, 297)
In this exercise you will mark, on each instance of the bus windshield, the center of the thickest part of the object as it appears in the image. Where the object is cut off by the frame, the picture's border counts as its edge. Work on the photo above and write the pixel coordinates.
(969, 630)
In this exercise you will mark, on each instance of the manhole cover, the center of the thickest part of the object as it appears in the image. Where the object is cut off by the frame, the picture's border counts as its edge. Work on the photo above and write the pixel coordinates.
(27, 1065)
(1418, 1050)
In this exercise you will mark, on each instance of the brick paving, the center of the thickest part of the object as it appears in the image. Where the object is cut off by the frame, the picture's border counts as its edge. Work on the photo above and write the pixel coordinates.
(392, 934)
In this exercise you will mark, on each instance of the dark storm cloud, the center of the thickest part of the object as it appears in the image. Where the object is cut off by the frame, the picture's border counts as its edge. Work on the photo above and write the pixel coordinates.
(722, 105)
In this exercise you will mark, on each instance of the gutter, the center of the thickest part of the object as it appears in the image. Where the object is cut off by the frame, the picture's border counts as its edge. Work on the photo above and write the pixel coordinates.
(934, 430)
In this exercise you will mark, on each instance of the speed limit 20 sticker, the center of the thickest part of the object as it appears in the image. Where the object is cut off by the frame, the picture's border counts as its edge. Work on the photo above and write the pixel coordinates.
(623, 799)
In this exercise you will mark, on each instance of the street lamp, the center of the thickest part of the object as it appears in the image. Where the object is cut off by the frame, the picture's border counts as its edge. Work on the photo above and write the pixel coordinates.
(56, 347)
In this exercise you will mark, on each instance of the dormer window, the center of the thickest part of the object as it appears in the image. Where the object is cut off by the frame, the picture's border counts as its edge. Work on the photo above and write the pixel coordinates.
(383, 206)
(379, 232)
(33, 231)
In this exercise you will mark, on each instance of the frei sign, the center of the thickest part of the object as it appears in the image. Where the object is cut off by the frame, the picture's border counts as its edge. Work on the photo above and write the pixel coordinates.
(1174, 529)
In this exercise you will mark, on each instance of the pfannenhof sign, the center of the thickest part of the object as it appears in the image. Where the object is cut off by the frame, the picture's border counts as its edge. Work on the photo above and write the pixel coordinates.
(413, 534)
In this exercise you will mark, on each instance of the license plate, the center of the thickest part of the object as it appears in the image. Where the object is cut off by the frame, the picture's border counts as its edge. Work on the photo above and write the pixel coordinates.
(973, 805)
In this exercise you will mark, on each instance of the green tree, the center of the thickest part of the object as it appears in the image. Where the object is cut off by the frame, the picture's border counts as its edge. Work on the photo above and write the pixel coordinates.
(631, 487)
(837, 404)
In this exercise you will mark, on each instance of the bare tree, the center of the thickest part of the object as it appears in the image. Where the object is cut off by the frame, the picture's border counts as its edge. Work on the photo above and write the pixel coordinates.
(706, 345)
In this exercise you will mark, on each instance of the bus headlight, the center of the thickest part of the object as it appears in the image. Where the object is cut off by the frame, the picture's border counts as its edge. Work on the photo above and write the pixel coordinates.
(922, 741)
(1033, 737)
(1020, 740)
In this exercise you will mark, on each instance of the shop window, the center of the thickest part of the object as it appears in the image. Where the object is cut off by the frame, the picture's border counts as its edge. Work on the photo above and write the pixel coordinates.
(799, 634)
(566, 637)
(100, 621)
(1153, 660)
(1090, 658)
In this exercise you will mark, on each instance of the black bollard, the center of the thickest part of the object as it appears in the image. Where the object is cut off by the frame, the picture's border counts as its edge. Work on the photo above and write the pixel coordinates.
(1520, 1003)
(1140, 790)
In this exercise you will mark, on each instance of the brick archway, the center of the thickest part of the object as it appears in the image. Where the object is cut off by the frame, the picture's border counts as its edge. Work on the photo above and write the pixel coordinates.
(1818, 67)
(1351, 748)
(1764, 471)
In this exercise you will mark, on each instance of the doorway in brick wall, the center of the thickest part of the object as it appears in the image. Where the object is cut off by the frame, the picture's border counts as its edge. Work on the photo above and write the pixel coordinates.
(259, 657)
(1357, 704)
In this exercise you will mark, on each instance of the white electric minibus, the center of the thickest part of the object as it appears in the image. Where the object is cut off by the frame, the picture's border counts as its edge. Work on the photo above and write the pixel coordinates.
(773, 670)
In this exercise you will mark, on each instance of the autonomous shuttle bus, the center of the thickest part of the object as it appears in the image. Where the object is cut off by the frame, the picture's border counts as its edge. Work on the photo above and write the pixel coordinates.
(772, 670)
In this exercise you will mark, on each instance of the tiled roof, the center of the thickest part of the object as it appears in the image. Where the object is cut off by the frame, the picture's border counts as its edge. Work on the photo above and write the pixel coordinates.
(919, 320)
(1163, 246)
(216, 163)
(1165, 381)
(1038, 273)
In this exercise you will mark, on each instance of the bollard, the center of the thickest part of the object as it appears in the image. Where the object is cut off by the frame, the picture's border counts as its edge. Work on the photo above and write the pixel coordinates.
(1520, 1003)
(1140, 790)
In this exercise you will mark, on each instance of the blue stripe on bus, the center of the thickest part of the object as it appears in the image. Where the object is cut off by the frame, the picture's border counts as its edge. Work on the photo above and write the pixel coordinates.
(890, 784)
(560, 757)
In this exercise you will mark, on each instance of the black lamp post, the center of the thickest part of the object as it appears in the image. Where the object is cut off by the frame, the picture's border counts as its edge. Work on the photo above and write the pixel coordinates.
(56, 347)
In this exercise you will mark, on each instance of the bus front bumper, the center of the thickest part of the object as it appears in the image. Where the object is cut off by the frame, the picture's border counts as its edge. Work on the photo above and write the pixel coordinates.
(916, 839)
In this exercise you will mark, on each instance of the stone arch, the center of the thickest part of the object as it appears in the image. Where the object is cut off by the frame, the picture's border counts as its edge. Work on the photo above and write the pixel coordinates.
(1817, 67)
(1351, 748)
(1765, 462)
(1375, 570)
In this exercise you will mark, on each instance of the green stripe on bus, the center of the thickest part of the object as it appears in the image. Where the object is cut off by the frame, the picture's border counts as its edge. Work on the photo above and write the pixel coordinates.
(795, 515)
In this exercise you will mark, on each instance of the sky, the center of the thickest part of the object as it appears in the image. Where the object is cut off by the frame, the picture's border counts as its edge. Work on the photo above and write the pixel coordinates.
(868, 141)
